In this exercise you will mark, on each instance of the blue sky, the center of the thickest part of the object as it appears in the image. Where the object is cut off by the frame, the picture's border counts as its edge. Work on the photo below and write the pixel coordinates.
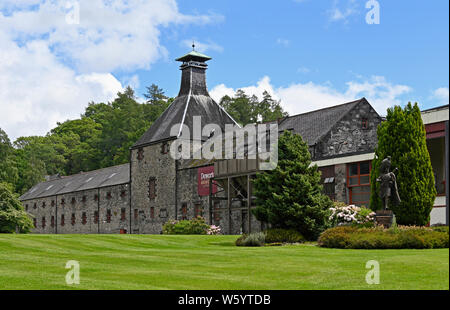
(307, 53)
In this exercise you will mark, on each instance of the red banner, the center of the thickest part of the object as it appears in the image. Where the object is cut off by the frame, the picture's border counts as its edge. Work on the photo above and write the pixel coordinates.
(204, 175)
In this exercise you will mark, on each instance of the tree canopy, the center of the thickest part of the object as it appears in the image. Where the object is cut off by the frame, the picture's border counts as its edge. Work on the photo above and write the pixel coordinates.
(249, 109)
(100, 138)
(12, 215)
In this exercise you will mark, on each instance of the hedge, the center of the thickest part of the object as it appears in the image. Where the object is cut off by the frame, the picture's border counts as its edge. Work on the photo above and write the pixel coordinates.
(401, 237)
(274, 236)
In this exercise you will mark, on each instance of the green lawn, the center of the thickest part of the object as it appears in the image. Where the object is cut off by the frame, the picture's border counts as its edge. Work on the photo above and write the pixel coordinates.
(207, 262)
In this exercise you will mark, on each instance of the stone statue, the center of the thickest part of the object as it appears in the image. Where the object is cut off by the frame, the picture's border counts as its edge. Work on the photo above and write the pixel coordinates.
(388, 186)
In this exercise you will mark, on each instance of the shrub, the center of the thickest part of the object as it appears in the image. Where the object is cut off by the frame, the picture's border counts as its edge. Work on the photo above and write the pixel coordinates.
(240, 240)
(253, 239)
(342, 214)
(196, 226)
(403, 237)
(279, 235)
(213, 230)
(441, 228)
(290, 196)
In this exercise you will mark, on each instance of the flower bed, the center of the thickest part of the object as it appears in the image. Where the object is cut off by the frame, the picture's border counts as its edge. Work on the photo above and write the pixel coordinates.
(196, 226)
(342, 214)
(397, 237)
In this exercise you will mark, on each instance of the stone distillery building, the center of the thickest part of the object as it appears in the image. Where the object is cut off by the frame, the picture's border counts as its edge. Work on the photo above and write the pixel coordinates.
(140, 196)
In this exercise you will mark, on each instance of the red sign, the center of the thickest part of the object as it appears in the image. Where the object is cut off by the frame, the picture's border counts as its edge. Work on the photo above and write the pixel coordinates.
(205, 174)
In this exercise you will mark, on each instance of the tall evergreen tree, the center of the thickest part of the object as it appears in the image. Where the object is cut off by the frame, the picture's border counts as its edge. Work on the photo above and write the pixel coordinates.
(290, 196)
(402, 136)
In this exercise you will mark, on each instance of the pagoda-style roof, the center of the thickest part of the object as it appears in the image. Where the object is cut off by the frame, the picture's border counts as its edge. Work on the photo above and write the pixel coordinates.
(192, 100)
(194, 55)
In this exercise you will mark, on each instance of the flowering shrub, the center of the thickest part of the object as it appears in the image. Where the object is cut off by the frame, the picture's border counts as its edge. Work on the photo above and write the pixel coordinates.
(195, 226)
(342, 215)
(213, 230)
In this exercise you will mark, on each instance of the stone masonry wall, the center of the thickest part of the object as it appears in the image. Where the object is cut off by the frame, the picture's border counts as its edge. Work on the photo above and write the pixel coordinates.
(349, 136)
(76, 212)
(149, 214)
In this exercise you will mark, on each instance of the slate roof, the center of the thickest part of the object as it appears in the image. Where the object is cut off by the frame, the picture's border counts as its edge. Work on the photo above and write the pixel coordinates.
(82, 181)
(182, 111)
(192, 100)
(315, 124)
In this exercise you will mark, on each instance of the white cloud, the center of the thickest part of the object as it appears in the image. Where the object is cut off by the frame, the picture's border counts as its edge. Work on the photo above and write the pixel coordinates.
(304, 97)
(51, 69)
(37, 91)
(340, 13)
(203, 47)
(441, 95)
(303, 70)
(116, 34)
(283, 42)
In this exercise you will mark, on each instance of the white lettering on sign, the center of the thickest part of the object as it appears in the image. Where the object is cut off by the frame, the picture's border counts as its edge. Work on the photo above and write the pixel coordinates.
(205, 176)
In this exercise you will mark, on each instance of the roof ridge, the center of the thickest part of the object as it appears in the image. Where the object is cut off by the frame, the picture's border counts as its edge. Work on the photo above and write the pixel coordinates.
(79, 173)
(341, 117)
(326, 108)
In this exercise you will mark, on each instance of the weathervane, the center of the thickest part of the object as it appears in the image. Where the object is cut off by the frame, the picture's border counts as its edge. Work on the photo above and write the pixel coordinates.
(193, 45)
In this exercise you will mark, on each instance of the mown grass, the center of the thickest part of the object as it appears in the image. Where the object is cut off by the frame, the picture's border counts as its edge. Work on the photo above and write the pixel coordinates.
(207, 262)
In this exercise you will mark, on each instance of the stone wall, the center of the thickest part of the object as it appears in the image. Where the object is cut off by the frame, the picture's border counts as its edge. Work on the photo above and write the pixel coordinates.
(76, 212)
(151, 163)
(188, 199)
(340, 179)
(355, 133)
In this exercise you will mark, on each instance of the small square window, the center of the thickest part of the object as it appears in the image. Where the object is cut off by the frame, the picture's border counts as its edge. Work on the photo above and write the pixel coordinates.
(165, 148)
(140, 154)
(95, 217)
(152, 212)
(152, 188)
(108, 216)
(364, 123)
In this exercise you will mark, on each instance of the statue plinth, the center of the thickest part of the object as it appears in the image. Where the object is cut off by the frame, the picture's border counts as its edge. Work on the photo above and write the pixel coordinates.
(384, 217)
